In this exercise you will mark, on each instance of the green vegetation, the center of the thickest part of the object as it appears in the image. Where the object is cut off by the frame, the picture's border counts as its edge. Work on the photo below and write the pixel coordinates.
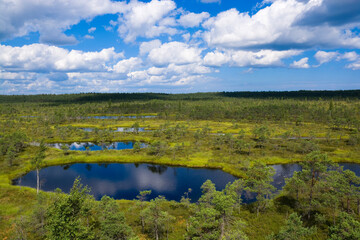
(240, 133)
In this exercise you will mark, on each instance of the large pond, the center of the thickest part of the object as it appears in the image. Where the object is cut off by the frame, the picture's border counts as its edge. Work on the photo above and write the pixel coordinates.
(124, 181)
(89, 146)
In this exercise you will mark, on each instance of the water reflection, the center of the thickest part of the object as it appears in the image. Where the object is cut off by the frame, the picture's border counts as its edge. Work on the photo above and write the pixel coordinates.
(120, 117)
(119, 129)
(283, 171)
(89, 146)
(124, 181)
(122, 129)
(352, 166)
(160, 169)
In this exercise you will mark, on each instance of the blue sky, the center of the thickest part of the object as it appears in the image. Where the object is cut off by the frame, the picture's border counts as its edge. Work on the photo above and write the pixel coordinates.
(175, 46)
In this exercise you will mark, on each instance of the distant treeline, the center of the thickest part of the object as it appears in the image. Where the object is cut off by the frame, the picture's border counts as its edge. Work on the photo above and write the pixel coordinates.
(115, 97)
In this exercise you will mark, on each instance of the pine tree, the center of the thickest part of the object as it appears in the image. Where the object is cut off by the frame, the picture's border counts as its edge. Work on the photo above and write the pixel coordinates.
(293, 230)
(37, 162)
(259, 182)
(68, 215)
(156, 218)
(347, 228)
(112, 221)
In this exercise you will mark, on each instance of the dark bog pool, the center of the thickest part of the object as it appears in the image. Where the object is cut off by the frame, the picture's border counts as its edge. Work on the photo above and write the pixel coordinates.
(122, 117)
(83, 146)
(119, 129)
(124, 181)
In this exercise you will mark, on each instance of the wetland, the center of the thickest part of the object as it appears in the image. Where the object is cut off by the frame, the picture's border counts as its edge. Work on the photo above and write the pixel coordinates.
(234, 150)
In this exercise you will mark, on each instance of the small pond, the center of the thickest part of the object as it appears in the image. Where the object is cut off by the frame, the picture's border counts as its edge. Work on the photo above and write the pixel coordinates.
(119, 129)
(124, 181)
(122, 117)
(83, 146)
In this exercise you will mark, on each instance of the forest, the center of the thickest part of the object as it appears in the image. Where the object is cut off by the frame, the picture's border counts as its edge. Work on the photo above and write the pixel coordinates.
(247, 135)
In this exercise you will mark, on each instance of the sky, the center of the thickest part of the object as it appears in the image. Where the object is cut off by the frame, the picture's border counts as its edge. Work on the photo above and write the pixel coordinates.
(178, 46)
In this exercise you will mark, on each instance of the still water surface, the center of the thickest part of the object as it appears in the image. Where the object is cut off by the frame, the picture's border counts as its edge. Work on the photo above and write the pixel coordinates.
(122, 117)
(119, 129)
(124, 181)
(83, 146)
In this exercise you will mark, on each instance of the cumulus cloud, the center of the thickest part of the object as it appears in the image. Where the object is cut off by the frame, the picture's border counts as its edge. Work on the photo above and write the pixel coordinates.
(241, 58)
(50, 18)
(216, 58)
(354, 65)
(332, 12)
(91, 30)
(146, 47)
(127, 65)
(174, 52)
(186, 37)
(274, 27)
(280, 30)
(45, 58)
(40, 66)
(302, 63)
(193, 19)
(88, 36)
(262, 58)
(146, 20)
(17, 76)
(324, 57)
(350, 56)
(171, 75)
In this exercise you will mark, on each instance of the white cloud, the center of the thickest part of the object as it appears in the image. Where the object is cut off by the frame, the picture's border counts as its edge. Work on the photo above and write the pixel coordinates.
(90, 61)
(262, 58)
(174, 52)
(193, 19)
(350, 56)
(275, 27)
(50, 18)
(138, 75)
(194, 68)
(45, 58)
(302, 63)
(91, 30)
(216, 58)
(108, 28)
(143, 20)
(88, 36)
(168, 21)
(240, 58)
(113, 23)
(17, 76)
(210, 1)
(186, 37)
(171, 75)
(156, 71)
(354, 65)
(146, 47)
(324, 57)
(127, 65)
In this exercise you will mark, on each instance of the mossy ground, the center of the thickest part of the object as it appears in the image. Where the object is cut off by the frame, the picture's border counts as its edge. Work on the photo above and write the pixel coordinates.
(16, 201)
